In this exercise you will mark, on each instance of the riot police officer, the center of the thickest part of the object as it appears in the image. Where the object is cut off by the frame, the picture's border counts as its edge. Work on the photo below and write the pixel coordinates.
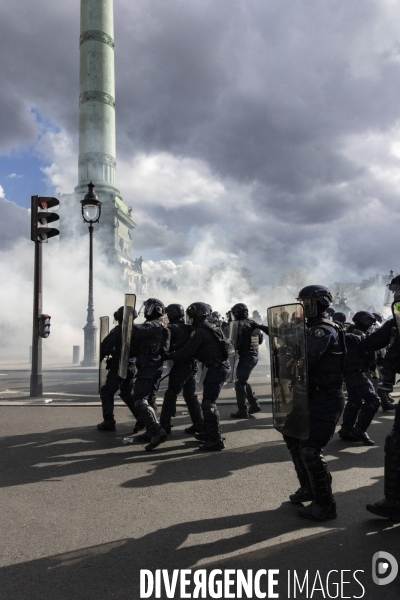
(208, 345)
(386, 335)
(111, 347)
(150, 341)
(325, 357)
(358, 415)
(182, 377)
(249, 337)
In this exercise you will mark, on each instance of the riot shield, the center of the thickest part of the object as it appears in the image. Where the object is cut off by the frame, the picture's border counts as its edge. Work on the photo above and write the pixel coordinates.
(287, 343)
(104, 330)
(396, 314)
(127, 326)
(233, 332)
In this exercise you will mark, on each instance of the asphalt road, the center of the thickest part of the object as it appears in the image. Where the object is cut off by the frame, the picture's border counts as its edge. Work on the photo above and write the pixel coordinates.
(81, 513)
(76, 385)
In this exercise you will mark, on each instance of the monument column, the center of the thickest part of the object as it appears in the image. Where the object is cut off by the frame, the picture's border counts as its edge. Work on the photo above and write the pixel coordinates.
(97, 96)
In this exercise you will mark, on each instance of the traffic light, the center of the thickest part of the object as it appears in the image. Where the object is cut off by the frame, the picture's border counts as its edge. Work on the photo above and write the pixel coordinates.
(44, 325)
(41, 217)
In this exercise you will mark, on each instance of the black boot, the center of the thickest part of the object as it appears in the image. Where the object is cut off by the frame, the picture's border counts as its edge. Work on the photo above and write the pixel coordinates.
(385, 509)
(106, 425)
(156, 440)
(254, 408)
(240, 414)
(362, 436)
(211, 446)
(323, 506)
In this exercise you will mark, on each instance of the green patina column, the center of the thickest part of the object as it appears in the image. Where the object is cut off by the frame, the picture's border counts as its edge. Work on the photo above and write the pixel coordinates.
(97, 154)
(97, 151)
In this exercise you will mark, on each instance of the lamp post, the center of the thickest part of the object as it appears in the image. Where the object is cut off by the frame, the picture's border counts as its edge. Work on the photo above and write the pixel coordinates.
(91, 211)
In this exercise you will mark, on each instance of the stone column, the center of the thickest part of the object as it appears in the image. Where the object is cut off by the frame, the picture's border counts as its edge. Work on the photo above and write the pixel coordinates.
(97, 95)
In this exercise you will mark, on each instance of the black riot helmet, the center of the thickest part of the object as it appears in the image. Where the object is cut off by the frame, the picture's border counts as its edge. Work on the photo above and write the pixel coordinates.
(119, 315)
(315, 299)
(240, 311)
(364, 318)
(153, 309)
(175, 313)
(339, 317)
(198, 311)
(394, 286)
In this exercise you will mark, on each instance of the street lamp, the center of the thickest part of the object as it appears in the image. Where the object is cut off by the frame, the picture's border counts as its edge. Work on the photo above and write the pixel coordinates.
(91, 211)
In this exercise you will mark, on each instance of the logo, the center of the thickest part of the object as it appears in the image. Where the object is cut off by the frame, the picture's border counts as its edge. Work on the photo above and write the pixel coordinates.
(384, 568)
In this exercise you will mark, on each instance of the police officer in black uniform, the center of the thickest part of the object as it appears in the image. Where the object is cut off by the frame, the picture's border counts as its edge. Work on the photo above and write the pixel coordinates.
(150, 341)
(182, 377)
(358, 415)
(111, 347)
(325, 357)
(386, 335)
(249, 337)
(208, 345)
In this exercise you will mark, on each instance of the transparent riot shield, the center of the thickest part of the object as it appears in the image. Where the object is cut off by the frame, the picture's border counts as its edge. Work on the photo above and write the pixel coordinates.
(127, 326)
(396, 314)
(104, 330)
(233, 333)
(287, 343)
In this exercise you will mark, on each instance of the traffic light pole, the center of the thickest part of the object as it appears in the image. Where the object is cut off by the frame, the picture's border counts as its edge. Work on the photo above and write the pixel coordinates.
(36, 388)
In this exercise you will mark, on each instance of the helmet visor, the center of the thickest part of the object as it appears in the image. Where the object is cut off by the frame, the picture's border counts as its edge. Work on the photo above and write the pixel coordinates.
(310, 307)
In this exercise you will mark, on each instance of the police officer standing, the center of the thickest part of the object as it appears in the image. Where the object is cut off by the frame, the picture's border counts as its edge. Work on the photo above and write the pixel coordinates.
(182, 376)
(208, 345)
(325, 357)
(389, 507)
(249, 337)
(111, 347)
(358, 415)
(150, 341)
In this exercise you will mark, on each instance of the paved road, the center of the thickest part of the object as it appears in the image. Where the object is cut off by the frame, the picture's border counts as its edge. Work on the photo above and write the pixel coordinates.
(81, 513)
(75, 385)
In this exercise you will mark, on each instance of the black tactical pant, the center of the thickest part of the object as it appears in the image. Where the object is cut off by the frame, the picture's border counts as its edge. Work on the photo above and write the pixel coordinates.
(392, 461)
(110, 388)
(182, 378)
(146, 386)
(247, 362)
(213, 382)
(326, 406)
(359, 414)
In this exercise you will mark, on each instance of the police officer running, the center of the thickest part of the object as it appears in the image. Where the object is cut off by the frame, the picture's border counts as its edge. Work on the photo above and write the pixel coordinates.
(182, 376)
(208, 345)
(389, 506)
(325, 357)
(150, 341)
(111, 346)
(249, 337)
(358, 415)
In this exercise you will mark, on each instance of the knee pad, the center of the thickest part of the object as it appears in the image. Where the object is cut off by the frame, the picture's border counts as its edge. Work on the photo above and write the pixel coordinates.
(208, 406)
(140, 405)
(310, 454)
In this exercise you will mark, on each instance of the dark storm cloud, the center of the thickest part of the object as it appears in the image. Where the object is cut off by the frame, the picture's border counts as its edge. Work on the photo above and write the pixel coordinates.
(265, 94)
(39, 68)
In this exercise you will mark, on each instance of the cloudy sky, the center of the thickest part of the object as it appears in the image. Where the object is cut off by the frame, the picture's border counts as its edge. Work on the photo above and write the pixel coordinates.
(264, 133)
